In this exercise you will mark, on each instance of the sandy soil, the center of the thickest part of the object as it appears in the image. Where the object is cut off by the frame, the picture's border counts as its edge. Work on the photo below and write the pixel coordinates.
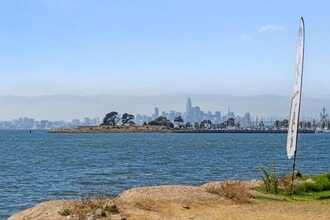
(187, 202)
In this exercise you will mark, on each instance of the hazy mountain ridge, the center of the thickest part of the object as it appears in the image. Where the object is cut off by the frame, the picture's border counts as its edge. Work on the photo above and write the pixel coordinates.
(66, 107)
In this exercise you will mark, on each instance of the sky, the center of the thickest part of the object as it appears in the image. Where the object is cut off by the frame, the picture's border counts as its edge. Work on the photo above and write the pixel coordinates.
(88, 49)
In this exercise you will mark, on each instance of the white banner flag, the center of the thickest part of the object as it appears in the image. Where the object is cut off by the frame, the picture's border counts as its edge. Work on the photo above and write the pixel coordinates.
(291, 144)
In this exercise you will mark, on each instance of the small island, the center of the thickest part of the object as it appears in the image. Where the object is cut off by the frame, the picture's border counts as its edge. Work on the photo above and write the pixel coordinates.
(113, 123)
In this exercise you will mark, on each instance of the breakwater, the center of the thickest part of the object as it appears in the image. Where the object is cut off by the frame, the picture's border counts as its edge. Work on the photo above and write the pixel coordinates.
(240, 131)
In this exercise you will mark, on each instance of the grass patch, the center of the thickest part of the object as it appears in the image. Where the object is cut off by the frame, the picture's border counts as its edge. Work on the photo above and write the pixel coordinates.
(235, 190)
(65, 212)
(304, 188)
(146, 204)
(87, 204)
(308, 196)
(316, 184)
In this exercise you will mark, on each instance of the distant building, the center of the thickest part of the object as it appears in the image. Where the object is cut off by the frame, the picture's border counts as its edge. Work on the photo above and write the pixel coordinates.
(197, 114)
(43, 124)
(247, 122)
(189, 111)
(156, 113)
(87, 121)
(230, 114)
(217, 117)
(75, 122)
(95, 121)
(171, 116)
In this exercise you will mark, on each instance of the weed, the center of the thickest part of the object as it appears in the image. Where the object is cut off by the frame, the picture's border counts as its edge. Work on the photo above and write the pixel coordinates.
(65, 212)
(270, 179)
(235, 190)
(145, 204)
(87, 204)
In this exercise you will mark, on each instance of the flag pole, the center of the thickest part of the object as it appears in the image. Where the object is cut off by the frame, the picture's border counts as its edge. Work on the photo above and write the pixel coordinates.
(292, 138)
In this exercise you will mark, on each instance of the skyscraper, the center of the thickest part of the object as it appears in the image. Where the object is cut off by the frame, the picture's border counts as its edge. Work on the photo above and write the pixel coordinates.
(156, 113)
(189, 111)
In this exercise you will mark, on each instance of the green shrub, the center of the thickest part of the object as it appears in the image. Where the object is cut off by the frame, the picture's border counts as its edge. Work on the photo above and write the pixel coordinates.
(65, 212)
(270, 179)
(321, 183)
(318, 184)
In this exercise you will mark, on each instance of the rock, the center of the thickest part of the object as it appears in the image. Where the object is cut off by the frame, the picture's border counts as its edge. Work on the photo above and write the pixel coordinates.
(309, 180)
(117, 217)
(185, 206)
(297, 174)
(91, 216)
(100, 213)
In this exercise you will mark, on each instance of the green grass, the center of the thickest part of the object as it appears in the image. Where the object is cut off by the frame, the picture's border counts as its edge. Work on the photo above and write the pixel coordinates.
(324, 195)
(307, 188)
(312, 196)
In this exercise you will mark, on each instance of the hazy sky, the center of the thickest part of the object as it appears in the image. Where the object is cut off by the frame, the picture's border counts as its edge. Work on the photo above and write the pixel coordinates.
(154, 47)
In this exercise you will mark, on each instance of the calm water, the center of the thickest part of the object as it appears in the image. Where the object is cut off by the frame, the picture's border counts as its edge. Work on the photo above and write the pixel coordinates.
(41, 166)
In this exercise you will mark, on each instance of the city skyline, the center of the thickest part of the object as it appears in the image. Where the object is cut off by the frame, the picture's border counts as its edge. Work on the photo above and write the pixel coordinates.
(191, 113)
(58, 55)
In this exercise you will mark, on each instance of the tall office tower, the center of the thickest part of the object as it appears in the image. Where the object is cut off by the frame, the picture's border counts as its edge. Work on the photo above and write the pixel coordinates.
(197, 114)
(230, 114)
(189, 111)
(247, 120)
(156, 113)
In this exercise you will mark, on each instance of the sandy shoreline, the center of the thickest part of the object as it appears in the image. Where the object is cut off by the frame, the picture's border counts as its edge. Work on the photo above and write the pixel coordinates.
(185, 202)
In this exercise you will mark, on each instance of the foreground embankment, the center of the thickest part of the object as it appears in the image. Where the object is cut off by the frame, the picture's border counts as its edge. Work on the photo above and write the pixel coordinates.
(209, 201)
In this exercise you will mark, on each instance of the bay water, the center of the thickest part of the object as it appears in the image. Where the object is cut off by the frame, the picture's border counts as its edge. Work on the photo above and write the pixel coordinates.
(41, 166)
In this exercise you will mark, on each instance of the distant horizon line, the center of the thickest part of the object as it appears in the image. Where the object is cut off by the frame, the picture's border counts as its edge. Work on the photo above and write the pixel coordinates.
(148, 95)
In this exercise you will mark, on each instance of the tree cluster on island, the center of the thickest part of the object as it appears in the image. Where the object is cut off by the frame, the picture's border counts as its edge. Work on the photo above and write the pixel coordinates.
(113, 119)
(162, 121)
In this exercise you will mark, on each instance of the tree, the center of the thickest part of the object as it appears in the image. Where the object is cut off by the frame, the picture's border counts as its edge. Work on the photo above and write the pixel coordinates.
(238, 125)
(178, 121)
(161, 121)
(231, 122)
(206, 124)
(196, 125)
(285, 123)
(277, 124)
(111, 118)
(127, 119)
(281, 124)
